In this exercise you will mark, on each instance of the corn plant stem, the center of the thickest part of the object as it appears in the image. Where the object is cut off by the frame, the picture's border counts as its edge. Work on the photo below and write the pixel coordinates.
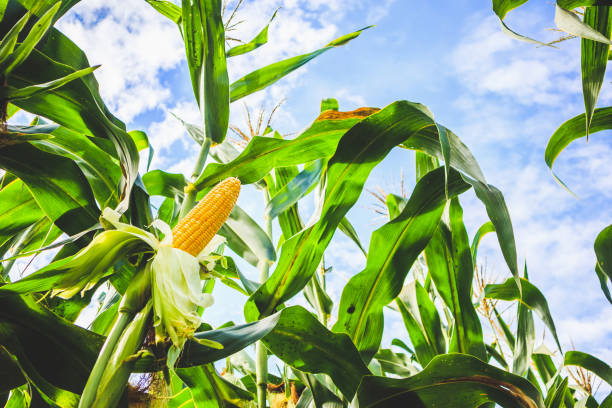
(191, 193)
(261, 368)
(93, 382)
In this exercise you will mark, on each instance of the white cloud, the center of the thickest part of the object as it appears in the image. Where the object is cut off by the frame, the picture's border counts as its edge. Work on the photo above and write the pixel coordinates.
(134, 44)
(489, 62)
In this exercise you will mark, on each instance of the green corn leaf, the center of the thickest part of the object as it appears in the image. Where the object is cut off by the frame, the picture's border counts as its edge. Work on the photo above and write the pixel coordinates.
(263, 154)
(525, 338)
(302, 342)
(260, 39)
(317, 392)
(18, 209)
(141, 140)
(12, 93)
(430, 319)
(395, 363)
(297, 188)
(450, 380)
(7, 46)
(205, 46)
(501, 8)
(20, 398)
(53, 396)
(449, 261)
(531, 297)
(544, 365)
(347, 228)
(266, 76)
(32, 332)
(233, 339)
(482, 231)
(424, 350)
(603, 268)
(159, 182)
(56, 183)
(240, 225)
(555, 397)
(594, 58)
(208, 389)
(603, 282)
(167, 9)
(572, 4)
(589, 362)
(101, 171)
(574, 129)
(27, 46)
(76, 105)
(393, 249)
(359, 150)
(492, 352)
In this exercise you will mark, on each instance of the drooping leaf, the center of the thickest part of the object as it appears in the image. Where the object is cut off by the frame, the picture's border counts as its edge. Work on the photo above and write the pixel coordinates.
(347, 228)
(159, 182)
(482, 231)
(589, 362)
(56, 183)
(450, 380)
(573, 129)
(141, 140)
(302, 342)
(100, 169)
(266, 76)
(531, 297)
(393, 249)
(570, 23)
(501, 8)
(76, 105)
(603, 251)
(594, 58)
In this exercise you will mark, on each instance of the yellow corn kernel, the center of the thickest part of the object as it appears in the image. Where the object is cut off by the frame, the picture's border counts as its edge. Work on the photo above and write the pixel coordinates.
(200, 225)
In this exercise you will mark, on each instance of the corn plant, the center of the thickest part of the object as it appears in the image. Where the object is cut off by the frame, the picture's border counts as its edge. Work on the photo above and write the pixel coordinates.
(71, 182)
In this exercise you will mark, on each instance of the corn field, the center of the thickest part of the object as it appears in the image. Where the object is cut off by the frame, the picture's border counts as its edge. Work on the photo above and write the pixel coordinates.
(143, 253)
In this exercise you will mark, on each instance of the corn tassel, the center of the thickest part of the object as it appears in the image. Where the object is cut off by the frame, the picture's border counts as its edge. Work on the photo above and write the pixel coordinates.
(200, 225)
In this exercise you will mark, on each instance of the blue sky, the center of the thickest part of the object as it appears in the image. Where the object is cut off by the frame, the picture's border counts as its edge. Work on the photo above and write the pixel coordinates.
(503, 98)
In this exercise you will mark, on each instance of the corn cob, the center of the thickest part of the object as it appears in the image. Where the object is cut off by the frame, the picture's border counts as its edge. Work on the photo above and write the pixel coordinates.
(200, 225)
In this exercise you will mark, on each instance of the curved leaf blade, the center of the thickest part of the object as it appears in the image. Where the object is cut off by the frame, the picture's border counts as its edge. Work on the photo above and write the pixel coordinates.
(456, 380)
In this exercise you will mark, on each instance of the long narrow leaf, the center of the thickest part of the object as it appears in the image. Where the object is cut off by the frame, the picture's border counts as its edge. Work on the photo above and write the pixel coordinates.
(393, 249)
(268, 75)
